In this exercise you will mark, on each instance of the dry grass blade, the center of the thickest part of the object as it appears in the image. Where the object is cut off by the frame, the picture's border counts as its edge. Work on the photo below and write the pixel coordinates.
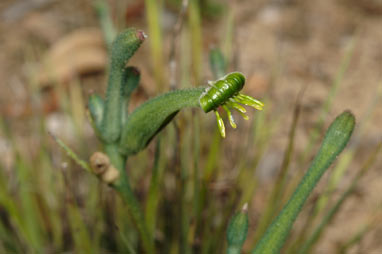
(275, 199)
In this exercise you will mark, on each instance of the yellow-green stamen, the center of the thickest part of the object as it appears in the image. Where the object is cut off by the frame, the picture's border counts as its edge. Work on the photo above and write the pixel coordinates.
(220, 124)
(230, 117)
(233, 104)
(249, 101)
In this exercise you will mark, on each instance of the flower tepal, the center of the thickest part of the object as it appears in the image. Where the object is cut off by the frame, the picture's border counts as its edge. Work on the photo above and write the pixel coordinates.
(224, 93)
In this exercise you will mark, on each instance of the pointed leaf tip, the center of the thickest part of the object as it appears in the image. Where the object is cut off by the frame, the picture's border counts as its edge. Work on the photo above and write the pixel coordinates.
(237, 231)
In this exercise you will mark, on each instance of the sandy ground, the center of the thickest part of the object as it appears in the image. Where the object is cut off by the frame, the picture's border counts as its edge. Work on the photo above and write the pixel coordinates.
(281, 45)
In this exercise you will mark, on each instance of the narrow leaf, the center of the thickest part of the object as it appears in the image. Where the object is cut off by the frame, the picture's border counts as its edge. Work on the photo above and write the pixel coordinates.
(96, 106)
(312, 240)
(72, 154)
(237, 231)
(152, 116)
(130, 81)
(123, 48)
(337, 136)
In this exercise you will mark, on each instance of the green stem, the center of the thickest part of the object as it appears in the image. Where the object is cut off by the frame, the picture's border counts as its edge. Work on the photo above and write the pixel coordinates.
(123, 187)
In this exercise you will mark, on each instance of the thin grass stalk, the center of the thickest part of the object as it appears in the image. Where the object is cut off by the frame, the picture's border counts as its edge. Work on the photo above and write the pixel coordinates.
(251, 142)
(218, 67)
(186, 165)
(194, 21)
(217, 233)
(7, 241)
(197, 204)
(30, 229)
(207, 242)
(127, 243)
(96, 220)
(211, 227)
(229, 24)
(213, 155)
(174, 42)
(103, 13)
(327, 105)
(182, 217)
(79, 232)
(47, 189)
(153, 195)
(185, 58)
(153, 10)
(262, 132)
(28, 204)
(278, 187)
(128, 236)
(27, 228)
(71, 154)
(213, 236)
(209, 173)
(78, 229)
(227, 209)
(355, 239)
(77, 111)
(177, 226)
(16, 226)
(314, 134)
(123, 186)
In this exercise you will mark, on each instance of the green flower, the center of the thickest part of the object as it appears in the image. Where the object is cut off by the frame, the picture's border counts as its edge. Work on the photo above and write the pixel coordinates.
(224, 93)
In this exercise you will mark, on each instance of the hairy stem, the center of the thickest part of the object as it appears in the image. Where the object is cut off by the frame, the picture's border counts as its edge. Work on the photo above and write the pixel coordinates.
(124, 188)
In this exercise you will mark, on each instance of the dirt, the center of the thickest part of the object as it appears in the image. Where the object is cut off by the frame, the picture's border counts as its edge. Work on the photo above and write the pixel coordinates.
(281, 45)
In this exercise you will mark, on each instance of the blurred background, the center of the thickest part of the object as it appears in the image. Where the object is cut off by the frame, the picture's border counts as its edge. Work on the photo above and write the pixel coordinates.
(307, 60)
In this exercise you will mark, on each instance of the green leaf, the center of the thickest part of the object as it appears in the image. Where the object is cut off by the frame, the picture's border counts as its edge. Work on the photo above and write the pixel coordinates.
(124, 46)
(131, 78)
(315, 236)
(237, 231)
(96, 106)
(152, 116)
(336, 138)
